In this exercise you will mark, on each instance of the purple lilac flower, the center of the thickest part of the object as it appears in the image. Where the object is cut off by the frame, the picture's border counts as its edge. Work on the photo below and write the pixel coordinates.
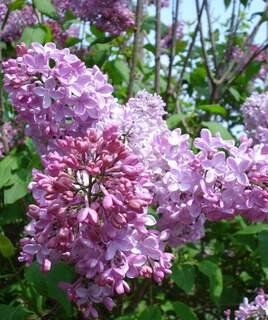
(113, 16)
(12, 136)
(16, 22)
(54, 93)
(91, 212)
(256, 309)
(255, 110)
(166, 40)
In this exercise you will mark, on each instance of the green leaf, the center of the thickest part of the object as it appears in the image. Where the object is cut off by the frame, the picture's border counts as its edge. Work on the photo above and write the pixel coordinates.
(47, 284)
(13, 313)
(174, 121)
(184, 277)
(148, 24)
(118, 71)
(16, 5)
(6, 247)
(214, 274)
(11, 213)
(213, 108)
(215, 127)
(7, 165)
(71, 41)
(235, 93)
(33, 34)
(151, 313)
(263, 247)
(17, 191)
(184, 312)
(252, 229)
(46, 7)
(227, 3)
(149, 47)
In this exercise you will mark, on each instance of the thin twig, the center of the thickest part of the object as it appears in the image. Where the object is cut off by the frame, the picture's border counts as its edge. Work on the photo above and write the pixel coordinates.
(211, 36)
(203, 47)
(157, 46)
(244, 67)
(175, 15)
(185, 64)
(139, 11)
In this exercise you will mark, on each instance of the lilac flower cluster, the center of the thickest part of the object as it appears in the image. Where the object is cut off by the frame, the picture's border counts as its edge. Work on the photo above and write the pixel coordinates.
(16, 22)
(242, 56)
(59, 35)
(91, 212)
(254, 111)
(11, 134)
(219, 182)
(256, 309)
(54, 93)
(113, 16)
(166, 40)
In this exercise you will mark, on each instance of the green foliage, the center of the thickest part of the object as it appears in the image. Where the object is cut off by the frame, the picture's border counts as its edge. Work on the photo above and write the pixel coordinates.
(6, 246)
(47, 284)
(184, 277)
(45, 7)
(214, 275)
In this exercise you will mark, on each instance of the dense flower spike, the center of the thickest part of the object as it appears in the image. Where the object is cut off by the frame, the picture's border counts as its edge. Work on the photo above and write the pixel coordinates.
(255, 110)
(54, 92)
(256, 309)
(91, 212)
(113, 16)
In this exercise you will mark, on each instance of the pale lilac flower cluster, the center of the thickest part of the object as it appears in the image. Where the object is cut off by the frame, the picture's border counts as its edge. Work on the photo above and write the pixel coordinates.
(16, 22)
(11, 134)
(256, 309)
(242, 56)
(166, 40)
(54, 93)
(255, 114)
(219, 182)
(91, 212)
(138, 121)
(113, 16)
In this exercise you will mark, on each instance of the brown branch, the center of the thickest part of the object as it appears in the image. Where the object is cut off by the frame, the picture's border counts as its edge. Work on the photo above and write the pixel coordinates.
(175, 15)
(244, 67)
(211, 36)
(157, 46)
(203, 47)
(139, 11)
(185, 64)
